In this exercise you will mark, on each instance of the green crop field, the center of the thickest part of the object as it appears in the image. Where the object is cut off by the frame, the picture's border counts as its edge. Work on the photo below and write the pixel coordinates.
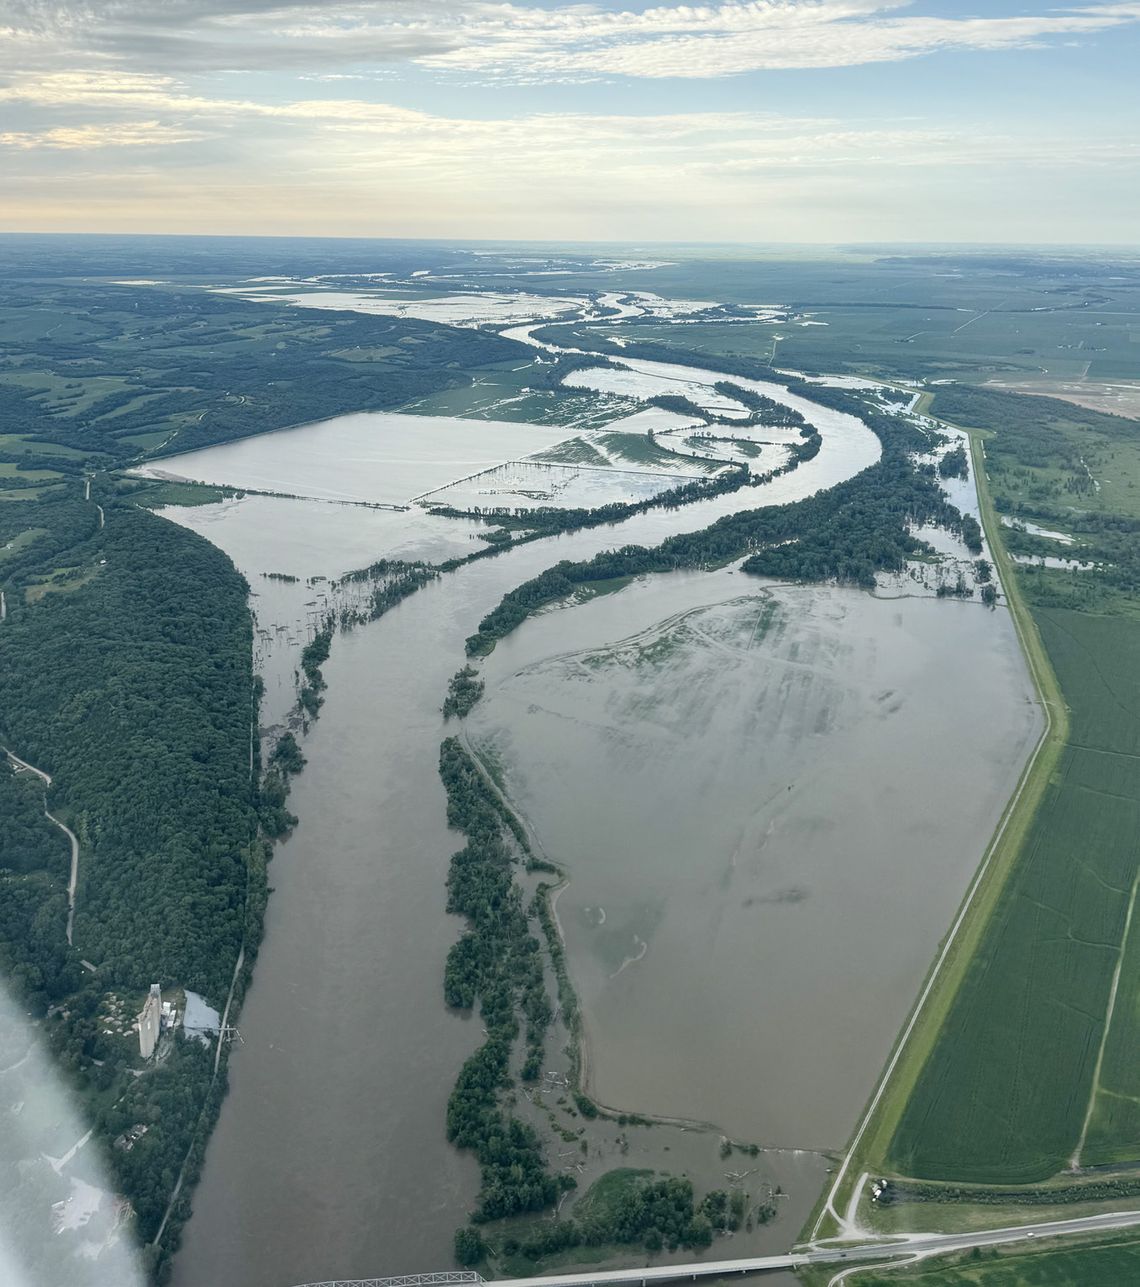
(1114, 1129)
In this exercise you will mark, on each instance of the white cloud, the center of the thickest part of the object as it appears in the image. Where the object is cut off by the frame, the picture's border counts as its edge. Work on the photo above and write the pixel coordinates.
(118, 80)
(731, 153)
(85, 138)
(525, 42)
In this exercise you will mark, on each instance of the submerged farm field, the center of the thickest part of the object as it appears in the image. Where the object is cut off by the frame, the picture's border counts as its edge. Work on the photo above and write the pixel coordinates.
(686, 748)
(523, 484)
(382, 457)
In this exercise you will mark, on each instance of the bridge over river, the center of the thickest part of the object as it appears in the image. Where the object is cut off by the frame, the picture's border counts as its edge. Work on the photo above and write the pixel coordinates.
(846, 1256)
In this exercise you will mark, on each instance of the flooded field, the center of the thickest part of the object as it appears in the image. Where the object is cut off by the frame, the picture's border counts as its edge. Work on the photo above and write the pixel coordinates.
(377, 457)
(293, 552)
(530, 484)
(338, 1093)
(769, 801)
(641, 384)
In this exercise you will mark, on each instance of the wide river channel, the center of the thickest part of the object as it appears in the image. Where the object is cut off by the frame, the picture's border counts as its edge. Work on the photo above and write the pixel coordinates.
(329, 1159)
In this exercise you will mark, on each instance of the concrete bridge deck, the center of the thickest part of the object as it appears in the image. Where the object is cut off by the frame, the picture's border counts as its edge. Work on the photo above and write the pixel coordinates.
(912, 1246)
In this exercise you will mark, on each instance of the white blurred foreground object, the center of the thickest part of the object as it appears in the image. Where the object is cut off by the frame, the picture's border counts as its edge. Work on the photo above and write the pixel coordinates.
(61, 1220)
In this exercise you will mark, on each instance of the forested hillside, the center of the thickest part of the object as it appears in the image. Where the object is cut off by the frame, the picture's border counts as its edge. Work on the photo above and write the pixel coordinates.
(126, 671)
(134, 692)
(113, 369)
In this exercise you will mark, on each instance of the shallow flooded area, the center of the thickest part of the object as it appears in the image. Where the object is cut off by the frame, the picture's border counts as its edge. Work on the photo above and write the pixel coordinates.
(292, 552)
(378, 457)
(768, 800)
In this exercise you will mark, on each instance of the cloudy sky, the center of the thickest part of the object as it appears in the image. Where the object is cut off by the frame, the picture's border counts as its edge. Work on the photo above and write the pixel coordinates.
(768, 121)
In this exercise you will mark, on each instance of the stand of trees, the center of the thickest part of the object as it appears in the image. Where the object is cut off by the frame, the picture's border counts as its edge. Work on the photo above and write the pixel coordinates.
(551, 375)
(463, 690)
(497, 962)
(953, 463)
(657, 1214)
(680, 406)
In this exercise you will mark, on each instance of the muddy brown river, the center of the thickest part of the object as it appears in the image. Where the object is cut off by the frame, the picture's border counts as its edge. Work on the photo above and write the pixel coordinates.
(789, 903)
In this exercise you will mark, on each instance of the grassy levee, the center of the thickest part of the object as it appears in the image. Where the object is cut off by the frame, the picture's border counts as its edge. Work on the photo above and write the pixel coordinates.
(871, 1144)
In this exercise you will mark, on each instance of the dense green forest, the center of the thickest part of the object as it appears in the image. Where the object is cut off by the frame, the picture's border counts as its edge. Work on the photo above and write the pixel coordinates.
(953, 463)
(28, 841)
(125, 673)
(34, 864)
(133, 691)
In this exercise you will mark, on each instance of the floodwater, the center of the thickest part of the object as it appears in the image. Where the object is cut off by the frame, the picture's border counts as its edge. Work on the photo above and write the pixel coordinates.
(377, 456)
(329, 1159)
(1035, 529)
(266, 536)
(532, 484)
(769, 801)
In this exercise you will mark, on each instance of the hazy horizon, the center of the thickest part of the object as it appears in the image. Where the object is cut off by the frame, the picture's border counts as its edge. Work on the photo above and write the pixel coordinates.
(808, 122)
